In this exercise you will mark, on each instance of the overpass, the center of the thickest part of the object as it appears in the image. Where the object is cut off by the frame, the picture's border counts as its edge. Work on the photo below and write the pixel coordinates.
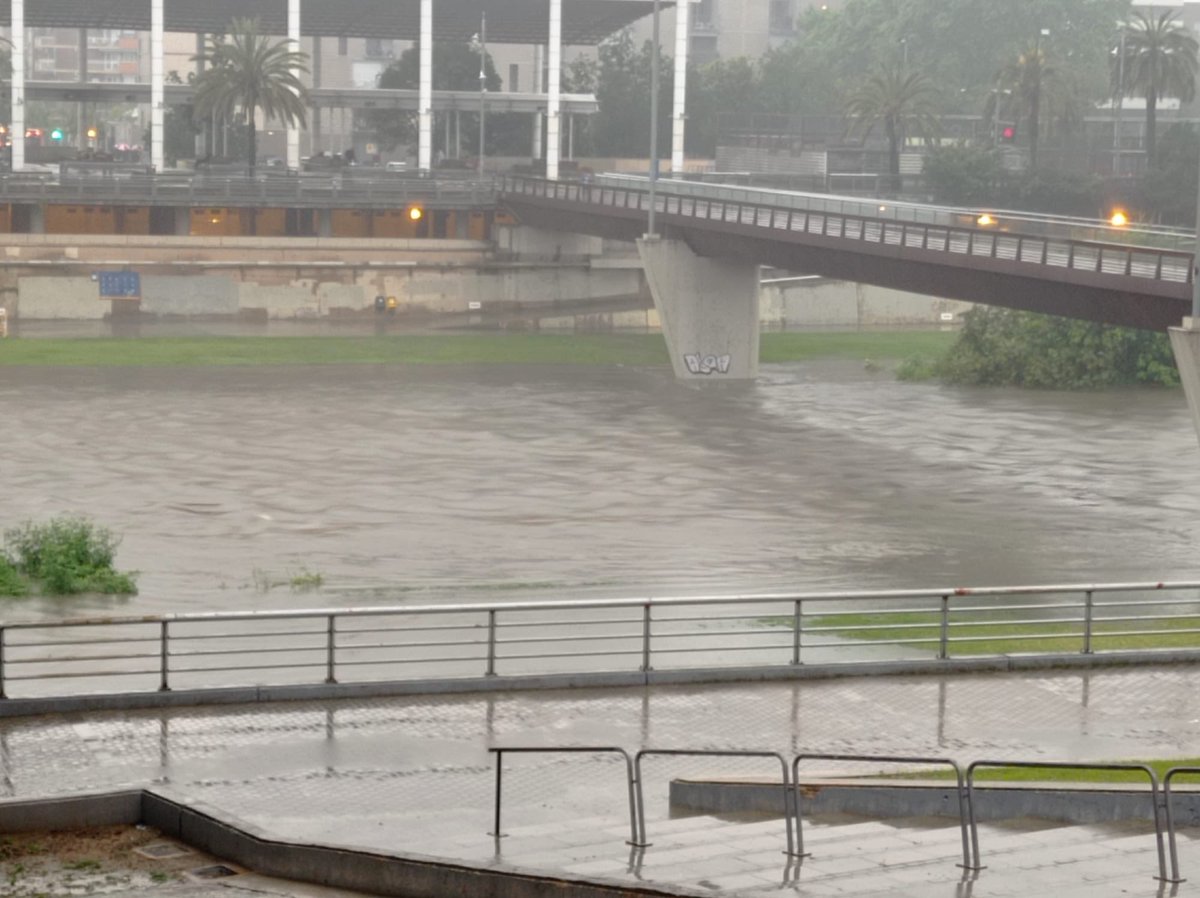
(713, 237)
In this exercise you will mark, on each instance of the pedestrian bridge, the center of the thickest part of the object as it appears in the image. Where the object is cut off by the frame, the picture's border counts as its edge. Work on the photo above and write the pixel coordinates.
(1085, 270)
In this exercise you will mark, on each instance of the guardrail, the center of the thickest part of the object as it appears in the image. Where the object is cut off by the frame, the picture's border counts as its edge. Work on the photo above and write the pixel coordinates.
(751, 633)
(965, 790)
(786, 793)
(200, 189)
(826, 219)
(637, 837)
(1139, 768)
(961, 791)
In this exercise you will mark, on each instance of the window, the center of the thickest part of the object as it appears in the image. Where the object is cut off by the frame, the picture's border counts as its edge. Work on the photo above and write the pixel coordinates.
(782, 18)
(514, 80)
(343, 46)
(703, 13)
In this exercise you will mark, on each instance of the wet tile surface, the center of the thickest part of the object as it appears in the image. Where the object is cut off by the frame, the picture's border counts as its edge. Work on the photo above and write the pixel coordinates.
(414, 775)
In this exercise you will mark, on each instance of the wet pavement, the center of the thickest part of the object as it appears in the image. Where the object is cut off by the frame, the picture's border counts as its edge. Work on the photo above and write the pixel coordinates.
(413, 775)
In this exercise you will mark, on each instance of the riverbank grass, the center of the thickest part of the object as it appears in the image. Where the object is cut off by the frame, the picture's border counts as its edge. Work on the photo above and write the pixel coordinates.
(629, 350)
(1001, 635)
(1160, 766)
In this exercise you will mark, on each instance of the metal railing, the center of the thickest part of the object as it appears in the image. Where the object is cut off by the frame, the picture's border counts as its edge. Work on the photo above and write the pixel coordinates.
(961, 791)
(1155, 799)
(786, 794)
(637, 837)
(749, 633)
(791, 809)
(1167, 807)
(317, 190)
(948, 232)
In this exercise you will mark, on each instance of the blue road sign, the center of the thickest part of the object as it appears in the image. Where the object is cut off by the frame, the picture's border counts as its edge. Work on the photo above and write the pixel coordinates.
(120, 285)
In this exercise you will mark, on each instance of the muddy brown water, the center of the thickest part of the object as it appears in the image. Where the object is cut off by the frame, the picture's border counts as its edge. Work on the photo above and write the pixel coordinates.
(414, 484)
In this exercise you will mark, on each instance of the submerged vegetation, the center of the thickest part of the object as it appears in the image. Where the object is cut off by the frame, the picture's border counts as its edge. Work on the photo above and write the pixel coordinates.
(1003, 347)
(65, 556)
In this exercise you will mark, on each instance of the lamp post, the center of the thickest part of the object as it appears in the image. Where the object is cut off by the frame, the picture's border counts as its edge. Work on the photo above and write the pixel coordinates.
(653, 122)
(479, 44)
(1119, 108)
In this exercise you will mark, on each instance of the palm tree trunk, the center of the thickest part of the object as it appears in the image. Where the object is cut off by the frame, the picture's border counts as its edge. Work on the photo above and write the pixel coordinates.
(1035, 116)
(1151, 123)
(893, 136)
(252, 135)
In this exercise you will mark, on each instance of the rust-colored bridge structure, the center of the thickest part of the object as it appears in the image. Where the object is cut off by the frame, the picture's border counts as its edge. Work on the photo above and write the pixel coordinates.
(1049, 265)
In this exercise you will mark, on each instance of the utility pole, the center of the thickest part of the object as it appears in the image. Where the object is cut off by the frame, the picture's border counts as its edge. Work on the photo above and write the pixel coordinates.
(654, 122)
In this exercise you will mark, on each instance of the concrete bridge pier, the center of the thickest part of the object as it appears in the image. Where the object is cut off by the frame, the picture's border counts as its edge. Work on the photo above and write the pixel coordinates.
(1185, 341)
(708, 308)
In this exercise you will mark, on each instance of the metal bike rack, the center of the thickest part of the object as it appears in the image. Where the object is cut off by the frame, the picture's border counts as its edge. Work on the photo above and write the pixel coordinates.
(961, 791)
(701, 753)
(1051, 765)
(499, 752)
(1166, 791)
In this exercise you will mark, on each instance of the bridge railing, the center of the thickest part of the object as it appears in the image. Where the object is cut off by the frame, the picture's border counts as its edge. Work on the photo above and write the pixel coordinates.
(200, 188)
(589, 638)
(841, 219)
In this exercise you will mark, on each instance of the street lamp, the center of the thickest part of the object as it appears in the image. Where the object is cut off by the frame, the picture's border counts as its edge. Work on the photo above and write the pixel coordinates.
(479, 45)
(653, 122)
(1119, 108)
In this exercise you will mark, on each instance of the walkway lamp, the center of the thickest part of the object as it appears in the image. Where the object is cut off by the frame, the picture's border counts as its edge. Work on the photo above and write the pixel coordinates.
(479, 45)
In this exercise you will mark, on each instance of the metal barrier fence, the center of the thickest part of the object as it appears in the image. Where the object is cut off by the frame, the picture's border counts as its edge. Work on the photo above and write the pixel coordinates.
(961, 791)
(200, 189)
(965, 790)
(1140, 768)
(786, 793)
(144, 653)
(826, 218)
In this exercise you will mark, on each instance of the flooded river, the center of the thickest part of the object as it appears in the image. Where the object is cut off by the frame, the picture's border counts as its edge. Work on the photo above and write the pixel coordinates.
(422, 484)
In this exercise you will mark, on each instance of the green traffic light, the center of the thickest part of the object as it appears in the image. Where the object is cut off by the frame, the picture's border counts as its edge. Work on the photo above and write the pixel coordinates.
(56, 134)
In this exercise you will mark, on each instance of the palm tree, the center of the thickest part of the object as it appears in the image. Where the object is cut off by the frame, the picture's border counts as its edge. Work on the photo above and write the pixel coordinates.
(1023, 85)
(900, 100)
(1159, 61)
(247, 73)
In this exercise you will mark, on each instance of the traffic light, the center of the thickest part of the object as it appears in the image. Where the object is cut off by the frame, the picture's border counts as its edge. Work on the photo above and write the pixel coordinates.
(56, 134)
(1008, 133)
(92, 132)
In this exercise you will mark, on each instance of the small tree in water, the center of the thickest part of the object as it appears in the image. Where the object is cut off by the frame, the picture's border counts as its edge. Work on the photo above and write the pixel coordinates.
(64, 557)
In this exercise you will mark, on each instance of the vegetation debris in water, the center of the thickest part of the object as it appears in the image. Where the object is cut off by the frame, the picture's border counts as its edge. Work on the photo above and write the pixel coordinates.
(64, 556)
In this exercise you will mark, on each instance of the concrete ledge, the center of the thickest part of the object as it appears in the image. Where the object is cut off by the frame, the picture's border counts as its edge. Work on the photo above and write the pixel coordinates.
(72, 812)
(21, 707)
(1081, 803)
(225, 837)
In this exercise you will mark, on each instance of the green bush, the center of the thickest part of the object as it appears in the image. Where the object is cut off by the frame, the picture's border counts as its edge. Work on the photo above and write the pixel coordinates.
(67, 556)
(11, 581)
(1002, 347)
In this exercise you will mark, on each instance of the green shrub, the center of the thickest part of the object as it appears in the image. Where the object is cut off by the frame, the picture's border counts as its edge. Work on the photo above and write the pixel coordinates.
(68, 555)
(11, 581)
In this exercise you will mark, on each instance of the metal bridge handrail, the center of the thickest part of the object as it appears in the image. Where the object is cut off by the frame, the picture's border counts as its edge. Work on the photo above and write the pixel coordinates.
(1167, 794)
(713, 599)
(961, 791)
(788, 803)
(1139, 768)
(499, 750)
(883, 230)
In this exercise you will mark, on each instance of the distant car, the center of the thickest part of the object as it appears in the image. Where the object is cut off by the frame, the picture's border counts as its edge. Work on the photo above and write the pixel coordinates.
(396, 166)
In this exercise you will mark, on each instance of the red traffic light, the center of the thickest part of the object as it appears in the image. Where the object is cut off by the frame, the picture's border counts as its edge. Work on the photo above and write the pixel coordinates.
(1008, 133)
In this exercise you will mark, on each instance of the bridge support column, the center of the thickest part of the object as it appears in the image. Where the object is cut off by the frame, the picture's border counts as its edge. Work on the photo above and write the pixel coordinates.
(425, 85)
(708, 308)
(17, 88)
(1185, 341)
(157, 79)
(293, 131)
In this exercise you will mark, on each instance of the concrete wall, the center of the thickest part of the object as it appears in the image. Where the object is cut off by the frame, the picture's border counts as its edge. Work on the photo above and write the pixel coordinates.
(793, 305)
(76, 298)
(186, 296)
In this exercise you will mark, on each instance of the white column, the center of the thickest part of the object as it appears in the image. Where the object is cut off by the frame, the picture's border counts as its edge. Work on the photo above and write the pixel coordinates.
(553, 138)
(156, 85)
(293, 132)
(18, 85)
(679, 115)
(539, 60)
(425, 97)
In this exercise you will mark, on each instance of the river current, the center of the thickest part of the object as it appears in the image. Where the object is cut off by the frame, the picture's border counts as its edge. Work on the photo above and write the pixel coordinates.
(400, 484)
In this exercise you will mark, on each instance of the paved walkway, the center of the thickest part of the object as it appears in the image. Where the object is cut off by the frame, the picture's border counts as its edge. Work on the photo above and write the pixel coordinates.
(412, 775)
